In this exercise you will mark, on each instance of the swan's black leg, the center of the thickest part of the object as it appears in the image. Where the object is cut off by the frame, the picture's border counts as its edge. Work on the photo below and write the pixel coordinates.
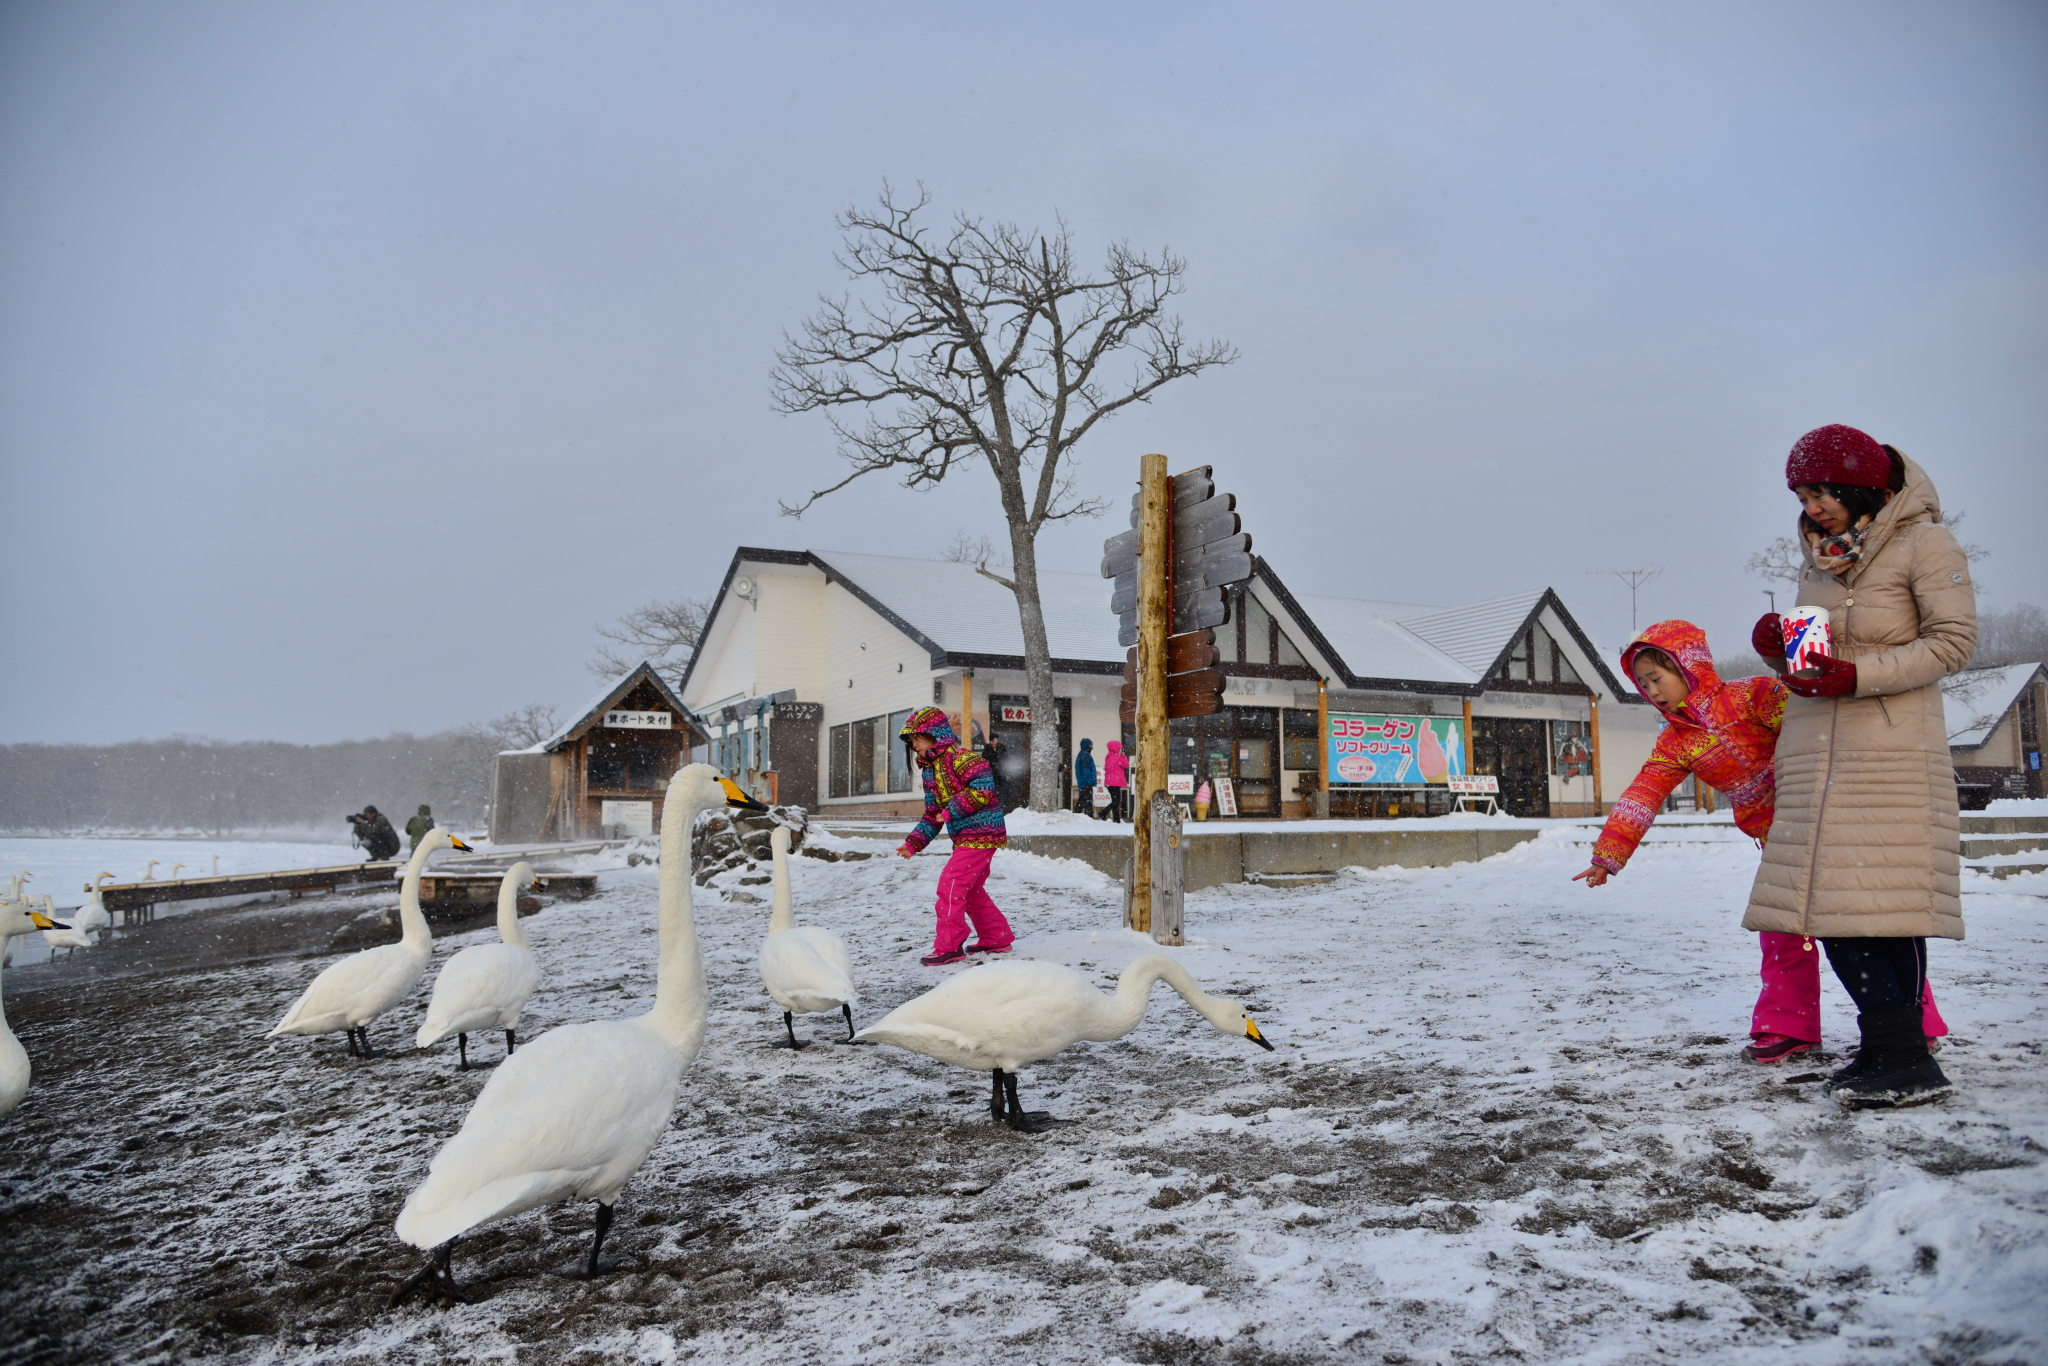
(350, 1035)
(847, 1011)
(1025, 1122)
(462, 1051)
(604, 1224)
(788, 1023)
(364, 1032)
(510, 1041)
(995, 1099)
(435, 1273)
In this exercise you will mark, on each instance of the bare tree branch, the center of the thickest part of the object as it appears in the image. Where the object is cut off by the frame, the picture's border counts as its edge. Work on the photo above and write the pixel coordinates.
(988, 341)
(664, 632)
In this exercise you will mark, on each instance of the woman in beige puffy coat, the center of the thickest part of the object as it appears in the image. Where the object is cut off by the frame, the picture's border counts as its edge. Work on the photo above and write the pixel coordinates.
(1863, 852)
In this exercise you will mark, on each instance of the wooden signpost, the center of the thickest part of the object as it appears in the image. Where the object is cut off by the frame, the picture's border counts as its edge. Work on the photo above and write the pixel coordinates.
(1186, 546)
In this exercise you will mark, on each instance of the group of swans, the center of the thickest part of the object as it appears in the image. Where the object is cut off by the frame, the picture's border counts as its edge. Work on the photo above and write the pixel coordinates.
(82, 932)
(578, 1112)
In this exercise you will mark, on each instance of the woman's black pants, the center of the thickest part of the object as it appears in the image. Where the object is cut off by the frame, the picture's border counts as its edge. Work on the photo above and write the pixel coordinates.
(1880, 974)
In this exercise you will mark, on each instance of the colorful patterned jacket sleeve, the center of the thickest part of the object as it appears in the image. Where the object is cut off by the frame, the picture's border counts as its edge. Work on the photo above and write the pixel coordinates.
(960, 792)
(1661, 774)
(927, 828)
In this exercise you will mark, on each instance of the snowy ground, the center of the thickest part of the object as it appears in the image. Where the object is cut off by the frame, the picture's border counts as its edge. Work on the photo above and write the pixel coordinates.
(1506, 1120)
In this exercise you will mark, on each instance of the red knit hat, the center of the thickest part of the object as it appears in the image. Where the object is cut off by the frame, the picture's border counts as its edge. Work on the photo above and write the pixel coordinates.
(1838, 455)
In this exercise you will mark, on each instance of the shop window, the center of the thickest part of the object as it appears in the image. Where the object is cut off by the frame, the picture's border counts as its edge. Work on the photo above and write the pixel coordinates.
(863, 757)
(840, 778)
(1302, 739)
(607, 767)
(647, 766)
(1571, 749)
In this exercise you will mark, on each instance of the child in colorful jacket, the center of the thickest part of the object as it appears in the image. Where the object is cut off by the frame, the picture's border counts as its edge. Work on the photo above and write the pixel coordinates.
(1725, 735)
(959, 793)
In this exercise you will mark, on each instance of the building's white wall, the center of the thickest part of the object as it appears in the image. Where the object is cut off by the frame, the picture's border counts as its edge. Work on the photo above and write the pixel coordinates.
(726, 668)
(787, 631)
(1627, 735)
(869, 667)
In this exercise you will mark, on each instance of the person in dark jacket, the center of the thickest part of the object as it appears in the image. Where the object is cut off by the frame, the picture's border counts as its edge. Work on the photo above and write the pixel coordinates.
(416, 829)
(1084, 779)
(379, 839)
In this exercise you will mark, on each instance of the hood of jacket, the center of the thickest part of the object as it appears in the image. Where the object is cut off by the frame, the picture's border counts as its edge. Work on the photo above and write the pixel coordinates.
(1687, 646)
(1087, 745)
(1116, 747)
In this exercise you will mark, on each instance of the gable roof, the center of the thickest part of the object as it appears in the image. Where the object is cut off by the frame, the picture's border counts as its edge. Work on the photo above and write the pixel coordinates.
(1980, 701)
(962, 618)
(644, 671)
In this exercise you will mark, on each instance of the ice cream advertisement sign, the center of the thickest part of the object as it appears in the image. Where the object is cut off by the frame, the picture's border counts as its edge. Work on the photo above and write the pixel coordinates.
(1405, 750)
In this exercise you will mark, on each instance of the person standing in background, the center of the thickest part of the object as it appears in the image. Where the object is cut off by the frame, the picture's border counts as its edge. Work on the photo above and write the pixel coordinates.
(1084, 778)
(416, 829)
(1116, 776)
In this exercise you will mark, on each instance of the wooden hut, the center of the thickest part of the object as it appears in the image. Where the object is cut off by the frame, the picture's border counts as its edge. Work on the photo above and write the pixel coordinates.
(604, 774)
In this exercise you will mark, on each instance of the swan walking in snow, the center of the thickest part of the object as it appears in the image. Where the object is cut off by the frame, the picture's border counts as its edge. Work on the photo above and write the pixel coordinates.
(999, 1016)
(70, 938)
(15, 919)
(486, 985)
(807, 970)
(351, 993)
(575, 1115)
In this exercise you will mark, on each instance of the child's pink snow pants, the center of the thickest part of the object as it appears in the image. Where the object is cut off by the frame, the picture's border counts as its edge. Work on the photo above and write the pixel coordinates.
(963, 896)
(1789, 1003)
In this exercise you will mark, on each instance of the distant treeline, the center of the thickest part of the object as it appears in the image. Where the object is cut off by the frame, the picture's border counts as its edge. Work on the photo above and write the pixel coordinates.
(215, 787)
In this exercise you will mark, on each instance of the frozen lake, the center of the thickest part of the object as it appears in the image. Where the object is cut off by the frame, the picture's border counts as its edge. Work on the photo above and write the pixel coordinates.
(1506, 1119)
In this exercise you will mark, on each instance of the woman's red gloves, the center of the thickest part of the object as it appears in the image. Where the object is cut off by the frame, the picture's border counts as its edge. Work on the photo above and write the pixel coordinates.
(1837, 679)
(1767, 638)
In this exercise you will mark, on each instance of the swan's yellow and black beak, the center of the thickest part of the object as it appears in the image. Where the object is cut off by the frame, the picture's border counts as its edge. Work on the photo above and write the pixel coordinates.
(734, 796)
(43, 922)
(454, 843)
(1251, 1031)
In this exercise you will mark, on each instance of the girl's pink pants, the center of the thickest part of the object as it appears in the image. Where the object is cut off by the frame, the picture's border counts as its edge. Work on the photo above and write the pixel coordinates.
(963, 896)
(1789, 1004)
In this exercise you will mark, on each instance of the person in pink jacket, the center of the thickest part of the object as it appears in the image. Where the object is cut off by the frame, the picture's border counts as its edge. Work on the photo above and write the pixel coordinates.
(1116, 776)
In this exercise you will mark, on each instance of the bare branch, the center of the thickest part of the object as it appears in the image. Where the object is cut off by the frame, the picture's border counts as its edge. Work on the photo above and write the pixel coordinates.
(982, 570)
(664, 632)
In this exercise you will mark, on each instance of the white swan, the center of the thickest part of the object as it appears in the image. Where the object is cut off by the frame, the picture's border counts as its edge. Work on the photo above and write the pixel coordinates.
(806, 970)
(575, 1115)
(16, 918)
(70, 938)
(351, 993)
(486, 985)
(93, 914)
(999, 1016)
(13, 897)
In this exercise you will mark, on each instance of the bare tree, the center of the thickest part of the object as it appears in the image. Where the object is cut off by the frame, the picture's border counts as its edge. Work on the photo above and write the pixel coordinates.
(1784, 560)
(991, 344)
(974, 550)
(664, 632)
(524, 727)
(2018, 635)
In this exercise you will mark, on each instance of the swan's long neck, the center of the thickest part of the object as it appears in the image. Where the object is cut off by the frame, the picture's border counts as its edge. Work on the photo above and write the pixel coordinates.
(411, 919)
(509, 928)
(784, 916)
(679, 1001)
(1125, 1010)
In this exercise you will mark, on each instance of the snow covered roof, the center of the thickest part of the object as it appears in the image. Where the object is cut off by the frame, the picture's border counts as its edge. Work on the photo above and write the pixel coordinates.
(1371, 640)
(1978, 701)
(958, 611)
(612, 692)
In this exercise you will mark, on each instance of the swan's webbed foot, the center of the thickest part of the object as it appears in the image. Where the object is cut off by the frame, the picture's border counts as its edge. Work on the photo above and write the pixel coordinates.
(788, 1023)
(434, 1280)
(1035, 1122)
(1010, 1111)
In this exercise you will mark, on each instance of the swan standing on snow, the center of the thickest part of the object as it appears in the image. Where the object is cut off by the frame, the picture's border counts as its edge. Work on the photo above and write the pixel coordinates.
(806, 970)
(999, 1016)
(16, 918)
(351, 993)
(575, 1115)
(486, 985)
(93, 914)
(70, 938)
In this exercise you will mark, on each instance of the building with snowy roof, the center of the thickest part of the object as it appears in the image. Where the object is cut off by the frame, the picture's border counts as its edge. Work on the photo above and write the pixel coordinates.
(811, 660)
(1994, 732)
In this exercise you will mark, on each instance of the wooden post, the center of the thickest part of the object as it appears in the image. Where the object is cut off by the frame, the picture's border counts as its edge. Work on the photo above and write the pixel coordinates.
(1169, 861)
(1323, 752)
(1468, 737)
(1155, 611)
(1593, 727)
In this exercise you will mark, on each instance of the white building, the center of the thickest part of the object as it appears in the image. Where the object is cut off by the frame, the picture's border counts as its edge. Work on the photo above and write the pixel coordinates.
(812, 659)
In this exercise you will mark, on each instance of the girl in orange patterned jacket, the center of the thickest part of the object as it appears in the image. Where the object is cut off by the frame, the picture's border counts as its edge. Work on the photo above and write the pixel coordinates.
(1725, 735)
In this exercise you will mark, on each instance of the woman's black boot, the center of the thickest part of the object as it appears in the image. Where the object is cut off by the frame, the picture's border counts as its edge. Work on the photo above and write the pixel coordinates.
(1893, 1068)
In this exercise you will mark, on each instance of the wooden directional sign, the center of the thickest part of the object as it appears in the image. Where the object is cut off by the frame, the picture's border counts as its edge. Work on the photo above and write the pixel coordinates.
(1205, 608)
(1189, 694)
(1184, 654)
(1195, 486)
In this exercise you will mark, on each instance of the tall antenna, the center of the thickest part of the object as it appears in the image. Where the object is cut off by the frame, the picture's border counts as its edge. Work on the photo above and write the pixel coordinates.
(1635, 579)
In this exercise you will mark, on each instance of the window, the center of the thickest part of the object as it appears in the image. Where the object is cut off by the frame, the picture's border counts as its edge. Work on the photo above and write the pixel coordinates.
(647, 766)
(1302, 739)
(1571, 749)
(862, 758)
(607, 766)
(840, 778)
(900, 774)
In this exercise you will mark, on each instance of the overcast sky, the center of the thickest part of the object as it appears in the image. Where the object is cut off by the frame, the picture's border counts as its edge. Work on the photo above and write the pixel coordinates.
(355, 359)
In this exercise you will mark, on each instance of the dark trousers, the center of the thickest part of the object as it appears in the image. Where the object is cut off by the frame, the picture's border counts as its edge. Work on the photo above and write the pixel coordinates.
(1119, 803)
(1879, 974)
